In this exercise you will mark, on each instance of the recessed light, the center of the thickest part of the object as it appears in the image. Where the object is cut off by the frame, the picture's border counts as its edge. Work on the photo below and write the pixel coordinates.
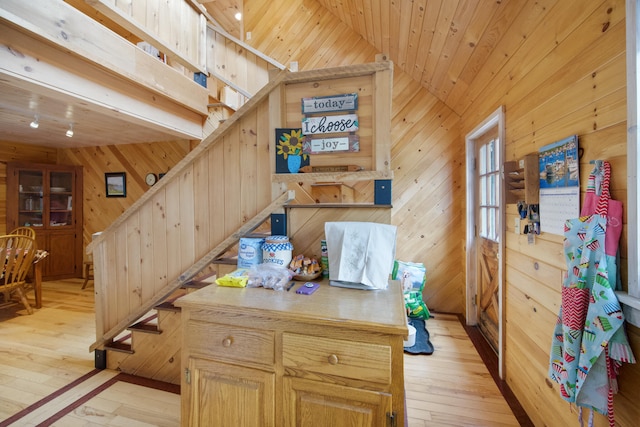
(34, 124)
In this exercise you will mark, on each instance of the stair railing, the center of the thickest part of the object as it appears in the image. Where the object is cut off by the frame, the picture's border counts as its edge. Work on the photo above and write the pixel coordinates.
(166, 237)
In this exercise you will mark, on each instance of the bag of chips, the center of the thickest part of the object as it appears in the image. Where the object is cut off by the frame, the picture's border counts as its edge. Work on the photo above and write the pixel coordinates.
(412, 277)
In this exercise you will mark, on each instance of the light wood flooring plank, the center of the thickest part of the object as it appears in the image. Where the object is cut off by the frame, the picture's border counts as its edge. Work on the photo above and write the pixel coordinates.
(41, 353)
(452, 387)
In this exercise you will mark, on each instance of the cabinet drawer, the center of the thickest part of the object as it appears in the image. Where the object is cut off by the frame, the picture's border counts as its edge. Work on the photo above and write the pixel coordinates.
(349, 359)
(230, 343)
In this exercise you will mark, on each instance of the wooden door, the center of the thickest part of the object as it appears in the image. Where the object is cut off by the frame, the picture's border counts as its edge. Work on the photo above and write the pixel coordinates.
(488, 302)
(225, 395)
(317, 404)
(488, 214)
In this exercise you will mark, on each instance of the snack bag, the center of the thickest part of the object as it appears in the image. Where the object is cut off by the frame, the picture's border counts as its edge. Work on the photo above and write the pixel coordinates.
(236, 279)
(413, 277)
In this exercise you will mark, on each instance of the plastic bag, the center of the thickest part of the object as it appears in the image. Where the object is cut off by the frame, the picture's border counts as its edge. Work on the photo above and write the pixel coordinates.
(270, 276)
(413, 277)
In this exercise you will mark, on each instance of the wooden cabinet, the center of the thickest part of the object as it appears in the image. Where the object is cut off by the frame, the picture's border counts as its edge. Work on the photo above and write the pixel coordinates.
(49, 199)
(258, 357)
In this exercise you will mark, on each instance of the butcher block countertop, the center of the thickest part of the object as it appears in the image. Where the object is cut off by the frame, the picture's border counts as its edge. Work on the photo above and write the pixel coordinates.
(374, 310)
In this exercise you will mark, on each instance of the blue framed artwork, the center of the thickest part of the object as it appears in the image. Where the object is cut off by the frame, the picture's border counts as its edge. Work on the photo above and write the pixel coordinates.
(289, 155)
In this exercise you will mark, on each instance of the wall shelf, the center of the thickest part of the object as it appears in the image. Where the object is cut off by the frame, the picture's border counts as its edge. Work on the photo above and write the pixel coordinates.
(522, 181)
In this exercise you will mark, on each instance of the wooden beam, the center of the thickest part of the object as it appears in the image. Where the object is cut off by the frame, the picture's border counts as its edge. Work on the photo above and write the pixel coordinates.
(71, 31)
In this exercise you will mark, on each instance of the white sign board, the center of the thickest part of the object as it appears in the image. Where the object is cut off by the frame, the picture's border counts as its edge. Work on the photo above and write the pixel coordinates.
(325, 104)
(330, 145)
(329, 124)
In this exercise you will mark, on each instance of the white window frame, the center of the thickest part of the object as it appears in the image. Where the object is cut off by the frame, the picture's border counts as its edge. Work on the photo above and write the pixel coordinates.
(631, 299)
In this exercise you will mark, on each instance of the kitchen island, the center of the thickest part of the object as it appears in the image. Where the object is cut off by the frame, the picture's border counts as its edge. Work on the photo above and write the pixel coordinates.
(259, 357)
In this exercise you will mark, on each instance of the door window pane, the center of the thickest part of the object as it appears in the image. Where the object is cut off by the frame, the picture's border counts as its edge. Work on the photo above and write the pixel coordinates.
(488, 190)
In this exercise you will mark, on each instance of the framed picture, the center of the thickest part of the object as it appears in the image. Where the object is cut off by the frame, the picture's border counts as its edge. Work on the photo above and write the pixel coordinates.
(289, 155)
(115, 184)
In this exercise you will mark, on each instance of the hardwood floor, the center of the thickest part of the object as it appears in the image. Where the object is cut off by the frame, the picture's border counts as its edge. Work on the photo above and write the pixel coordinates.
(47, 374)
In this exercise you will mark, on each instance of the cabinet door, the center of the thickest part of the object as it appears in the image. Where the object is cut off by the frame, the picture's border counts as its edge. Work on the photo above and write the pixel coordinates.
(60, 191)
(313, 403)
(226, 395)
(62, 260)
(30, 205)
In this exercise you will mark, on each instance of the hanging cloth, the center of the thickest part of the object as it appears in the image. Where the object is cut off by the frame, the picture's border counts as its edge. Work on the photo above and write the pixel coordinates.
(614, 221)
(589, 342)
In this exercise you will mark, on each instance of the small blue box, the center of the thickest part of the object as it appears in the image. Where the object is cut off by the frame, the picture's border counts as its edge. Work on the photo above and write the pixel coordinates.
(279, 224)
(200, 78)
(382, 192)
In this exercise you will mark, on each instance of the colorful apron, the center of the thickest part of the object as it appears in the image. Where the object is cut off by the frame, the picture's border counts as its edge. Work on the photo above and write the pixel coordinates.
(614, 222)
(589, 342)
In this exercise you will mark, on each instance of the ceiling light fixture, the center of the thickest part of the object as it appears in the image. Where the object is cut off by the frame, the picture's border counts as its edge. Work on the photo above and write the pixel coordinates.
(34, 124)
(70, 130)
(238, 16)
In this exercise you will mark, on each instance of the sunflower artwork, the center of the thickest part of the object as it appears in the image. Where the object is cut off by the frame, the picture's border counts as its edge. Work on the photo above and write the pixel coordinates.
(289, 155)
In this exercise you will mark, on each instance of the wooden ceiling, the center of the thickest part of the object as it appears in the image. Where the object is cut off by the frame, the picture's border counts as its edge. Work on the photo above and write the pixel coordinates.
(443, 44)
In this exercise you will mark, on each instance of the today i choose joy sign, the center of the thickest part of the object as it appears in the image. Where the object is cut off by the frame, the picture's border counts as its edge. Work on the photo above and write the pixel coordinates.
(329, 124)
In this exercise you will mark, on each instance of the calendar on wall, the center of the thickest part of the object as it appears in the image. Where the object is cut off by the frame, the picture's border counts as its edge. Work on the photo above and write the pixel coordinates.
(559, 184)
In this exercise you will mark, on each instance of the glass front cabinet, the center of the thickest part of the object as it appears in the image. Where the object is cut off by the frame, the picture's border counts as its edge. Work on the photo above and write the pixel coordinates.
(48, 198)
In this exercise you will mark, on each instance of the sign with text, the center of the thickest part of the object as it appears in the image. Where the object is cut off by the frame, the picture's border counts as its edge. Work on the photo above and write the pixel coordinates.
(329, 124)
(326, 104)
(348, 143)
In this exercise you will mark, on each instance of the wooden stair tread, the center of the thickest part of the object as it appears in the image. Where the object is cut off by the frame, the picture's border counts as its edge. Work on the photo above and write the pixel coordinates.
(195, 284)
(150, 328)
(120, 346)
(226, 260)
(167, 305)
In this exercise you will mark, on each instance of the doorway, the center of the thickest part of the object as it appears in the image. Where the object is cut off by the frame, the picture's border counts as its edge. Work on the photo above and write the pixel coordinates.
(485, 230)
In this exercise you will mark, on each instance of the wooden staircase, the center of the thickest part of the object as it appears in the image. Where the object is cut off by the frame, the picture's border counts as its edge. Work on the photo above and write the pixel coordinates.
(150, 348)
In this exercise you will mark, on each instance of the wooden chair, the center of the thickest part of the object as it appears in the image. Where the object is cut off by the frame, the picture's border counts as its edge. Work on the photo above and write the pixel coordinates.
(88, 271)
(17, 251)
(24, 231)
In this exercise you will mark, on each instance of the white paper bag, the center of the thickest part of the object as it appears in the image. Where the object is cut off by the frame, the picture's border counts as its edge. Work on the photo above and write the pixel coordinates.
(360, 254)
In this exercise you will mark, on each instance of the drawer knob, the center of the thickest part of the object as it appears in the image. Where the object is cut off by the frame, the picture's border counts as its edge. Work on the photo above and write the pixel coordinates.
(227, 342)
(333, 359)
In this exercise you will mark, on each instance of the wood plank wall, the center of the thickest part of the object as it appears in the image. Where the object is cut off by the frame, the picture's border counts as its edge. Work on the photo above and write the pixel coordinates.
(565, 76)
(560, 72)
(136, 160)
(426, 154)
